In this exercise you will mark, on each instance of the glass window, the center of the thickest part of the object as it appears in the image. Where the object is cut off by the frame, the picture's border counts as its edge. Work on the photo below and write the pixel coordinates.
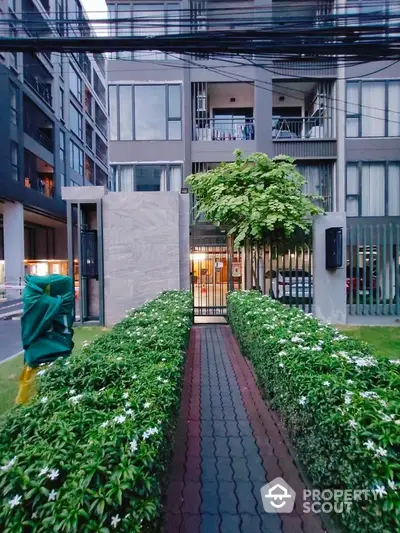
(125, 113)
(62, 104)
(144, 177)
(149, 178)
(62, 145)
(75, 118)
(75, 83)
(373, 189)
(174, 112)
(113, 108)
(76, 158)
(175, 178)
(150, 112)
(14, 161)
(373, 106)
(394, 109)
(394, 190)
(13, 103)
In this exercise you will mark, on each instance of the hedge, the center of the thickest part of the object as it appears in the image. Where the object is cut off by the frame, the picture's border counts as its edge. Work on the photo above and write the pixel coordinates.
(90, 452)
(340, 404)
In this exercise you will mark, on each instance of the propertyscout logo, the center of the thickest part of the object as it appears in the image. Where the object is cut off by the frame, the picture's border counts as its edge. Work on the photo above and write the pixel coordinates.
(279, 497)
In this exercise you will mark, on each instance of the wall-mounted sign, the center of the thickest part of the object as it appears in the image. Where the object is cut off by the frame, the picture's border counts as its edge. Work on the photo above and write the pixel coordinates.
(236, 270)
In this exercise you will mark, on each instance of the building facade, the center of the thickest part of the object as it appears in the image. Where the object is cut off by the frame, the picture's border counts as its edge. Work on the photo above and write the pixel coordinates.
(174, 115)
(55, 133)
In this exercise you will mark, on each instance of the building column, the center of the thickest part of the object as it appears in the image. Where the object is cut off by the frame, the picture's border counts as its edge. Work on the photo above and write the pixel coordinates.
(14, 246)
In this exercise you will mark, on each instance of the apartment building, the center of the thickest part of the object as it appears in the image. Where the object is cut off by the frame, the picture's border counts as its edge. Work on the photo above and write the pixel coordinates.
(171, 116)
(54, 131)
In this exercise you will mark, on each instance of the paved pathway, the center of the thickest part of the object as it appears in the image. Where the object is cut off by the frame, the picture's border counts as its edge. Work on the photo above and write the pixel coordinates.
(228, 445)
(10, 338)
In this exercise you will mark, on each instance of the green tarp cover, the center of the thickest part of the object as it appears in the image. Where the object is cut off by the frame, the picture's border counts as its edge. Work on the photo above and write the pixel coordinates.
(46, 323)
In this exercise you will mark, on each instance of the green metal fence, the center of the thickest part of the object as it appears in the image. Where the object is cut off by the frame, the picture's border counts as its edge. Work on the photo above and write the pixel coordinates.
(373, 269)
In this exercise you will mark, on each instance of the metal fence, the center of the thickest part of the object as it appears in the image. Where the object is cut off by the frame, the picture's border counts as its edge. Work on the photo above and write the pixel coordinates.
(283, 271)
(373, 269)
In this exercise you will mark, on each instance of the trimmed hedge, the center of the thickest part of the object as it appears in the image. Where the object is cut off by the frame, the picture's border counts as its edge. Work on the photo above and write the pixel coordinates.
(89, 453)
(340, 404)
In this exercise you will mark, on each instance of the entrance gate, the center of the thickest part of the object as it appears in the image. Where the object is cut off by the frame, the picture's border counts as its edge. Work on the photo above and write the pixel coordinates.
(213, 272)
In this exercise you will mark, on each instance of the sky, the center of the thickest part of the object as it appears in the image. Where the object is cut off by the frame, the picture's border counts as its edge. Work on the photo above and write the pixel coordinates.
(96, 9)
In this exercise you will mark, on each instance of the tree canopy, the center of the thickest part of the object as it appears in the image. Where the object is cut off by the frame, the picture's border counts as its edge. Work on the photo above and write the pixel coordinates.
(254, 196)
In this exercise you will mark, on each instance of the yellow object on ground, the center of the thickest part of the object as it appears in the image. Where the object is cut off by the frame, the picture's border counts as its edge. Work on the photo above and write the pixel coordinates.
(27, 385)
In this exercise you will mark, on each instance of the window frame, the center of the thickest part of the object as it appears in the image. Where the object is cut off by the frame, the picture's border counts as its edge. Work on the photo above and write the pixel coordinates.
(62, 102)
(168, 118)
(358, 196)
(73, 146)
(115, 170)
(14, 109)
(359, 115)
(79, 133)
(79, 89)
(14, 165)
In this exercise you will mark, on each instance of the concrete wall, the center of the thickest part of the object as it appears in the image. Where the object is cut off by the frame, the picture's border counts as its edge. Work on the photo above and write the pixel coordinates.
(329, 285)
(146, 248)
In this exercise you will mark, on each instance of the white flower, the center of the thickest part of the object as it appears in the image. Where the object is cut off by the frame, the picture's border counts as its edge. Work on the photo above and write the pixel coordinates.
(165, 380)
(282, 341)
(44, 399)
(380, 490)
(350, 381)
(380, 452)
(44, 471)
(296, 339)
(352, 423)
(76, 399)
(147, 405)
(53, 474)
(41, 372)
(364, 361)
(163, 359)
(129, 412)
(327, 383)
(34, 516)
(72, 392)
(392, 484)
(133, 446)
(368, 394)
(387, 418)
(115, 520)
(134, 377)
(303, 400)
(125, 395)
(149, 432)
(335, 356)
(369, 444)
(15, 501)
(10, 463)
(104, 424)
(394, 361)
(316, 348)
(52, 495)
(383, 402)
(120, 419)
(159, 378)
(281, 365)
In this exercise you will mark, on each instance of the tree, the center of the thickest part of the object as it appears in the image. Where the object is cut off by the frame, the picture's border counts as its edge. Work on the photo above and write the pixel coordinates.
(255, 196)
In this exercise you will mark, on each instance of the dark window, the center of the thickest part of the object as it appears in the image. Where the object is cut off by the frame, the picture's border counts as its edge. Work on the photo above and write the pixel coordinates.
(14, 103)
(62, 116)
(75, 83)
(76, 157)
(14, 161)
(75, 118)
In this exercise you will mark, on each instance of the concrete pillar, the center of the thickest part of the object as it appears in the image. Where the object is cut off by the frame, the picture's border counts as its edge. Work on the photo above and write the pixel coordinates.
(184, 241)
(329, 286)
(14, 248)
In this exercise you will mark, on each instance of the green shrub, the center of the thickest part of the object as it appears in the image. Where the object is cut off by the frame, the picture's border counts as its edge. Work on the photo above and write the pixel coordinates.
(340, 404)
(89, 453)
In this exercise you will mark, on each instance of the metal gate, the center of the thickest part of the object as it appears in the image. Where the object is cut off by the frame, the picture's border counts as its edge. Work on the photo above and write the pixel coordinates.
(283, 271)
(213, 272)
(373, 269)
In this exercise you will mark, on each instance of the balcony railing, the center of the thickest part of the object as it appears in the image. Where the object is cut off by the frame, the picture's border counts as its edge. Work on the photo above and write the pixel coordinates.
(218, 129)
(101, 154)
(44, 185)
(41, 136)
(42, 89)
(303, 128)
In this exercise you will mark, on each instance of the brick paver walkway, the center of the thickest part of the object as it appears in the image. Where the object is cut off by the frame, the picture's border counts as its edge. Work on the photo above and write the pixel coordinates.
(228, 445)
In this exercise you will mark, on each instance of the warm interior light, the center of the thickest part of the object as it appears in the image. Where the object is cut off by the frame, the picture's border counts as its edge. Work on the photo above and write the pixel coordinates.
(198, 256)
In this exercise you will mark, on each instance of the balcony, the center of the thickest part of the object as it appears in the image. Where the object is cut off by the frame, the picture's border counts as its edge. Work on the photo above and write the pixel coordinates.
(38, 174)
(89, 170)
(37, 125)
(100, 120)
(101, 177)
(99, 88)
(38, 78)
(303, 123)
(89, 136)
(221, 129)
(101, 151)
